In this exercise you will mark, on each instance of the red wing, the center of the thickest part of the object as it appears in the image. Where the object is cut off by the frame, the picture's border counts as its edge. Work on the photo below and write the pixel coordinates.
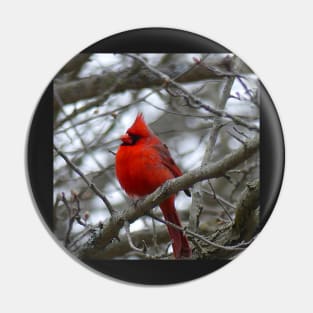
(167, 159)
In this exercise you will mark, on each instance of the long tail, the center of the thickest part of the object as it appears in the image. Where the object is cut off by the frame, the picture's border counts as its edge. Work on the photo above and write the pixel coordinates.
(181, 246)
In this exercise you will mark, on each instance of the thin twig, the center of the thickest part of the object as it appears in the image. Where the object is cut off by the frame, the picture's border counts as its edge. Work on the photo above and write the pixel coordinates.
(197, 196)
(132, 245)
(190, 98)
(86, 149)
(81, 235)
(243, 84)
(91, 185)
(205, 117)
(198, 236)
(245, 172)
(71, 220)
(219, 202)
(221, 199)
(110, 112)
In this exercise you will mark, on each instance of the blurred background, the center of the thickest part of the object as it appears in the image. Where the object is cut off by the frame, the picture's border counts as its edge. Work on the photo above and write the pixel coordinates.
(96, 99)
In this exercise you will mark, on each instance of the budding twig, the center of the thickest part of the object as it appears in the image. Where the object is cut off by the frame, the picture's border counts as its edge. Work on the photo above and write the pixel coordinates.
(91, 185)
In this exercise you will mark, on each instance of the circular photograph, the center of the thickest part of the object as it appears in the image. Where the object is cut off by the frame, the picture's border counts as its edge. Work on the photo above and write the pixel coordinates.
(148, 165)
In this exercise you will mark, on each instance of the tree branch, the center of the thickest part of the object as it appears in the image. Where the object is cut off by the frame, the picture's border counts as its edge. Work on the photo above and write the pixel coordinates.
(96, 85)
(247, 214)
(243, 229)
(91, 185)
(112, 226)
(197, 195)
(190, 98)
(122, 247)
(73, 67)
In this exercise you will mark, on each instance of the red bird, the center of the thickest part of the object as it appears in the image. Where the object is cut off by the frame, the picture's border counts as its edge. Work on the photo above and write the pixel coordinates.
(143, 163)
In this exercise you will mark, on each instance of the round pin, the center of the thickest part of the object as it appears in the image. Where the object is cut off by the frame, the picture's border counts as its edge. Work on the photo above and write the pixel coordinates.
(155, 156)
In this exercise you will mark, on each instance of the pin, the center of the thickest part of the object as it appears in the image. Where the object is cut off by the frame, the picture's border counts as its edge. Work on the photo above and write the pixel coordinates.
(128, 125)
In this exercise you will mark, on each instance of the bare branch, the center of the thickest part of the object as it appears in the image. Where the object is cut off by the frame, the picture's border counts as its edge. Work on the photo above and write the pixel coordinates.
(192, 100)
(85, 147)
(122, 247)
(213, 195)
(195, 235)
(197, 196)
(219, 202)
(73, 67)
(247, 217)
(132, 245)
(71, 218)
(91, 185)
(96, 85)
(112, 226)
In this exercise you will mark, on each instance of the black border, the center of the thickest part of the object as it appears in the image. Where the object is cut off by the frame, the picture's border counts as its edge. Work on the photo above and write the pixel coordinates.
(40, 156)
(40, 166)
(156, 40)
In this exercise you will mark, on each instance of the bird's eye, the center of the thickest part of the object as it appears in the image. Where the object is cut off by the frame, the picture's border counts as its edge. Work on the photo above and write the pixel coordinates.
(134, 137)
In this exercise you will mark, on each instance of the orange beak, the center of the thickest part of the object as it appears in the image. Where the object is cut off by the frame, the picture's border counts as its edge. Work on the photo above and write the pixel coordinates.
(126, 139)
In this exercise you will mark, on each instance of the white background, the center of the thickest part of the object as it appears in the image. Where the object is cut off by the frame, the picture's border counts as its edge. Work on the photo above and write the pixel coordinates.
(274, 38)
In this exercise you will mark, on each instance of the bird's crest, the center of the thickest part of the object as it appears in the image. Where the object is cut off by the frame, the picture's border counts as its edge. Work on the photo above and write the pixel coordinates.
(139, 127)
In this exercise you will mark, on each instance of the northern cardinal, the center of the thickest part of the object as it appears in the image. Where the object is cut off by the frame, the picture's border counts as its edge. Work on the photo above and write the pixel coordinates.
(143, 163)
